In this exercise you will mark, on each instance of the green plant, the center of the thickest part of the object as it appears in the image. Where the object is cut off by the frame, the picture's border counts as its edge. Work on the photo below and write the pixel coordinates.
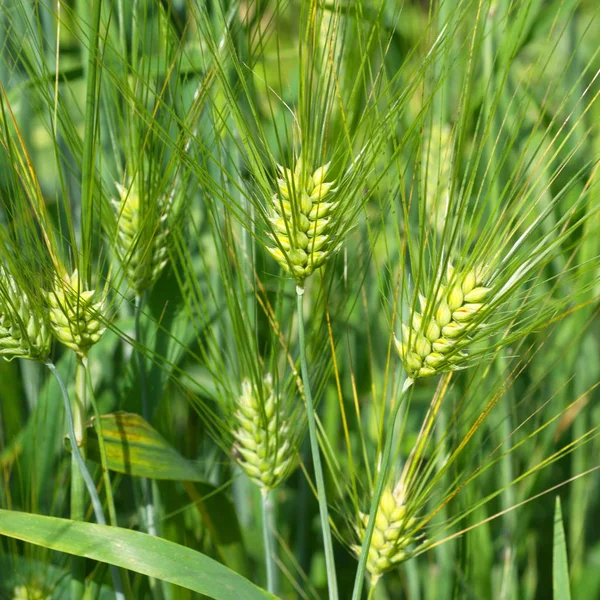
(375, 222)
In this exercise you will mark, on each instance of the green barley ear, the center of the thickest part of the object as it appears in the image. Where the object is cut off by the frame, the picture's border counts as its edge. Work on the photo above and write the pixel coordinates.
(76, 313)
(391, 535)
(29, 592)
(24, 333)
(141, 239)
(263, 446)
(437, 340)
(303, 215)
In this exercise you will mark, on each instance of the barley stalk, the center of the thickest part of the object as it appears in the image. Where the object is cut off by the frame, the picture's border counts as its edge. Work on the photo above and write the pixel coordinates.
(436, 341)
(141, 238)
(303, 215)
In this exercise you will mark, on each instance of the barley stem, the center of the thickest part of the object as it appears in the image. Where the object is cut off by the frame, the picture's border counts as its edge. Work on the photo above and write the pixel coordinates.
(381, 481)
(316, 456)
(110, 502)
(77, 586)
(79, 475)
(372, 591)
(146, 489)
(268, 523)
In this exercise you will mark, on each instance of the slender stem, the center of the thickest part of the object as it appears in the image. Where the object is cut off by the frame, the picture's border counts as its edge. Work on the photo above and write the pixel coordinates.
(110, 501)
(381, 481)
(146, 489)
(80, 476)
(77, 587)
(316, 456)
(372, 591)
(268, 524)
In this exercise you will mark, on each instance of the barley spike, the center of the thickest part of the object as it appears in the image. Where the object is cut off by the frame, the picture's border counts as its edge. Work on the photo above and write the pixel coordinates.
(75, 314)
(140, 241)
(436, 340)
(390, 540)
(263, 447)
(303, 214)
(24, 332)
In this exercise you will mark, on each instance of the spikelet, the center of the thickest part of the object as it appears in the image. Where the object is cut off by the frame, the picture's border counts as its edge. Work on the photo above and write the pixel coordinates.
(23, 331)
(263, 445)
(436, 340)
(390, 540)
(75, 314)
(303, 212)
(141, 240)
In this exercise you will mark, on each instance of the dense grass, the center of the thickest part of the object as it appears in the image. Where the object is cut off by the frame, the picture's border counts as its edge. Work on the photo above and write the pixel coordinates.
(250, 390)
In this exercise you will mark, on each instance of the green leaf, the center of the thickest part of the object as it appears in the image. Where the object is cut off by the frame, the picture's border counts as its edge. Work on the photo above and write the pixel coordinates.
(133, 550)
(135, 448)
(560, 565)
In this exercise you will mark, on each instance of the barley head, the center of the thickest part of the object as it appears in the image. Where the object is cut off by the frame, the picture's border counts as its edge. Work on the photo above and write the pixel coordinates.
(75, 313)
(303, 215)
(437, 340)
(24, 332)
(390, 539)
(29, 592)
(263, 445)
(141, 240)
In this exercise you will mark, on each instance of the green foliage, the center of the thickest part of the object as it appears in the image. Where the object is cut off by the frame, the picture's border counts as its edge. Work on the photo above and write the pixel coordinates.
(375, 222)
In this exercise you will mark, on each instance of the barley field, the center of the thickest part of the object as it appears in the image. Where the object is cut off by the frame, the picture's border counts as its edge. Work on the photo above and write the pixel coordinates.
(299, 299)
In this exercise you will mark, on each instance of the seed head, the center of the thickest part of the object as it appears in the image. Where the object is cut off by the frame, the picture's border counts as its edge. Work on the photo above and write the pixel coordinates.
(141, 241)
(303, 215)
(390, 536)
(75, 313)
(436, 340)
(263, 445)
(30, 592)
(24, 332)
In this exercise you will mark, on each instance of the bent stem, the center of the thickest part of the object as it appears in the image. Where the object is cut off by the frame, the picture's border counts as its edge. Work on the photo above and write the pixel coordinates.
(268, 523)
(316, 456)
(80, 474)
(381, 481)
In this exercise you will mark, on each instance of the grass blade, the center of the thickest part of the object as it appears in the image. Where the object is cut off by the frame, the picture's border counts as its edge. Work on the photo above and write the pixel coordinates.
(560, 566)
(132, 550)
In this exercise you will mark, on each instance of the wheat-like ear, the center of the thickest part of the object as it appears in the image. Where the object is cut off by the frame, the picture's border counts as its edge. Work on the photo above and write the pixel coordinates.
(141, 238)
(24, 333)
(76, 314)
(303, 219)
(263, 445)
(437, 340)
(391, 535)
(30, 592)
